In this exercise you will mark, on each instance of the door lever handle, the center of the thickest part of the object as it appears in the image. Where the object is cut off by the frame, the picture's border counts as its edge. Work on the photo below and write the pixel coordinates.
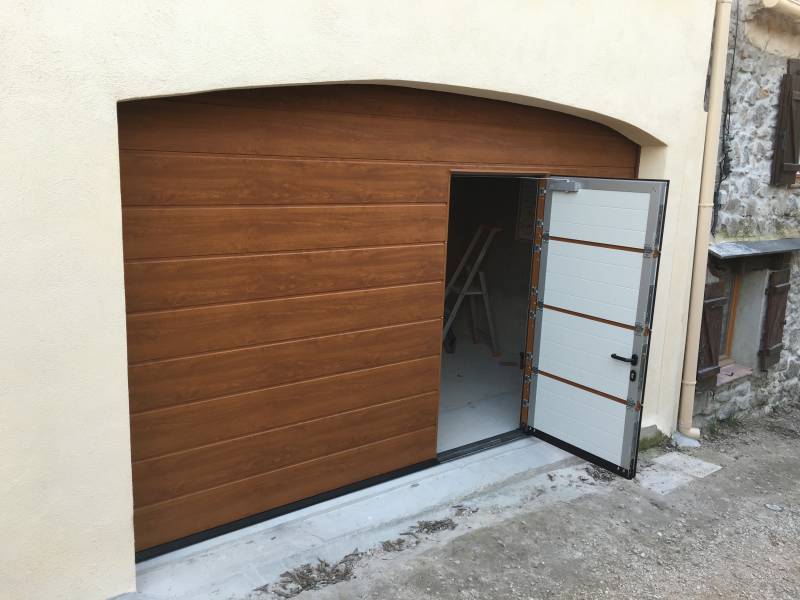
(634, 360)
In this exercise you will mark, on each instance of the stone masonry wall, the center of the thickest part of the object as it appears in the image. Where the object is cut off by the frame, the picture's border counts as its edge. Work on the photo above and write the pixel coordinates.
(750, 208)
(764, 390)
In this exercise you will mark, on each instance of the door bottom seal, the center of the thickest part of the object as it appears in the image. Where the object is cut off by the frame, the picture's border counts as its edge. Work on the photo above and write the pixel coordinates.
(588, 456)
(480, 445)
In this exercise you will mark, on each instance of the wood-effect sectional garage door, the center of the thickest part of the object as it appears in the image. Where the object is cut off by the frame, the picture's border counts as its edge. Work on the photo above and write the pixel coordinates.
(284, 265)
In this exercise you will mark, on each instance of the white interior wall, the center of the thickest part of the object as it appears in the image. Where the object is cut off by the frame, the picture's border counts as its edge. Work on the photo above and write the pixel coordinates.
(66, 499)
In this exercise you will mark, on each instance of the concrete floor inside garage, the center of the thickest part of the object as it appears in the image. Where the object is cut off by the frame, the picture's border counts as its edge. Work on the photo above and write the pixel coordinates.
(479, 398)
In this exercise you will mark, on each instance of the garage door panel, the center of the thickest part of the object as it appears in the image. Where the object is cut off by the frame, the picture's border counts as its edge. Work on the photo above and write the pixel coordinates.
(171, 179)
(167, 334)
(399, 102)
(183, 127)
(176, 518)
(162, 431)
(176, 232)
(592, 280)
(158, 285)
(193, 470)
(580, 350)
(565, 290)
(176, 381)
(598, 281)
(580, 418)
(601, 216)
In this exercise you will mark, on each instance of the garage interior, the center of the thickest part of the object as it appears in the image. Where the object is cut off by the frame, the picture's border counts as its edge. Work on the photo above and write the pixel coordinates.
(481, 378)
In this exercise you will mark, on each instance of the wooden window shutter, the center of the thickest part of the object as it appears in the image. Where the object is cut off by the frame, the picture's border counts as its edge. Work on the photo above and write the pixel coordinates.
(710, 335)
(772, 331)
(786, 152)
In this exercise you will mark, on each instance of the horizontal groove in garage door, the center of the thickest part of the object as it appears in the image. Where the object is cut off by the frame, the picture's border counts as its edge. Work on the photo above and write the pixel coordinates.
(180, 232)
(168, 334)
(176, 381)
(189, 471)
(179, 517)
(163, 431)
(171, 179)
(167, 284)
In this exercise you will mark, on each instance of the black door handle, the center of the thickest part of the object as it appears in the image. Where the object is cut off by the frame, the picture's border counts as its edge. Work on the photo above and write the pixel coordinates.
(634, 360)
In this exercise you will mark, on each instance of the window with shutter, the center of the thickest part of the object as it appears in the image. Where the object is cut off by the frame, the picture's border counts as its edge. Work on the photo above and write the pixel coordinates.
(710, 335)
(786, 154)
(774, 317)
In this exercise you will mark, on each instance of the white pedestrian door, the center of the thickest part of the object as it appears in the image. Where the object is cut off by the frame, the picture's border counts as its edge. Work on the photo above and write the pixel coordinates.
(594, 297)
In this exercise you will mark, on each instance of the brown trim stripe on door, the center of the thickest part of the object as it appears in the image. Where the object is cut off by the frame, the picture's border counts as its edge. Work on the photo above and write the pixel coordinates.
(596, 244)
(574, 313)
(585, 388)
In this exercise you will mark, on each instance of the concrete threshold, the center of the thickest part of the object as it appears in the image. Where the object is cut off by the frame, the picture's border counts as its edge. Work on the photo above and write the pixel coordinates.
(234, 564)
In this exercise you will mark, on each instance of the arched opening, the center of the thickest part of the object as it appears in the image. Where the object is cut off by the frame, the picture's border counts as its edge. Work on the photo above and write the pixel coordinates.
(285, 265)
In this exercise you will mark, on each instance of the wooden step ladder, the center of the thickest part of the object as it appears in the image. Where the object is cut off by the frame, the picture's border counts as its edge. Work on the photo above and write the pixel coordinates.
(466, 287)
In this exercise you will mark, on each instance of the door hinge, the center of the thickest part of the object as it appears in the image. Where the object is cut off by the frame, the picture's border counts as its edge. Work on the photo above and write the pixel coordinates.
(651, 292)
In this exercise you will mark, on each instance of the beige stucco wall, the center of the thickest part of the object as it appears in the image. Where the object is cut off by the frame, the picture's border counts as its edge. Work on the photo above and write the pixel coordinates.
(65, 502)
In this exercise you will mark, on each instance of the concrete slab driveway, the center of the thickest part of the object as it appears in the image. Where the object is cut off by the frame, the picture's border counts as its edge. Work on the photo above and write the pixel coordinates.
(733, 533)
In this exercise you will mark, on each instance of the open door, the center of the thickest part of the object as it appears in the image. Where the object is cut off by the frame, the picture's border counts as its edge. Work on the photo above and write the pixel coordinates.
(595, 268)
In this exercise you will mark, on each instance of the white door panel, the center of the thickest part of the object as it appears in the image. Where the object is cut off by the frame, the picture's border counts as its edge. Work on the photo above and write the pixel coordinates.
(592, 280)
(580, 418)
(580, 350)
(602, 216)
(594, 299)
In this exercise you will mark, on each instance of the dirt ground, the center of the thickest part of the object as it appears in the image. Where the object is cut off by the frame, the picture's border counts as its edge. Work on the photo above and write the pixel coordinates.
(732, 534)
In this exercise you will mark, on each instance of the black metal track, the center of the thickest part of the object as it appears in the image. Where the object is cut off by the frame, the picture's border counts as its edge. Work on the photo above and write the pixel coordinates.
(202, 536)
(480, 445)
